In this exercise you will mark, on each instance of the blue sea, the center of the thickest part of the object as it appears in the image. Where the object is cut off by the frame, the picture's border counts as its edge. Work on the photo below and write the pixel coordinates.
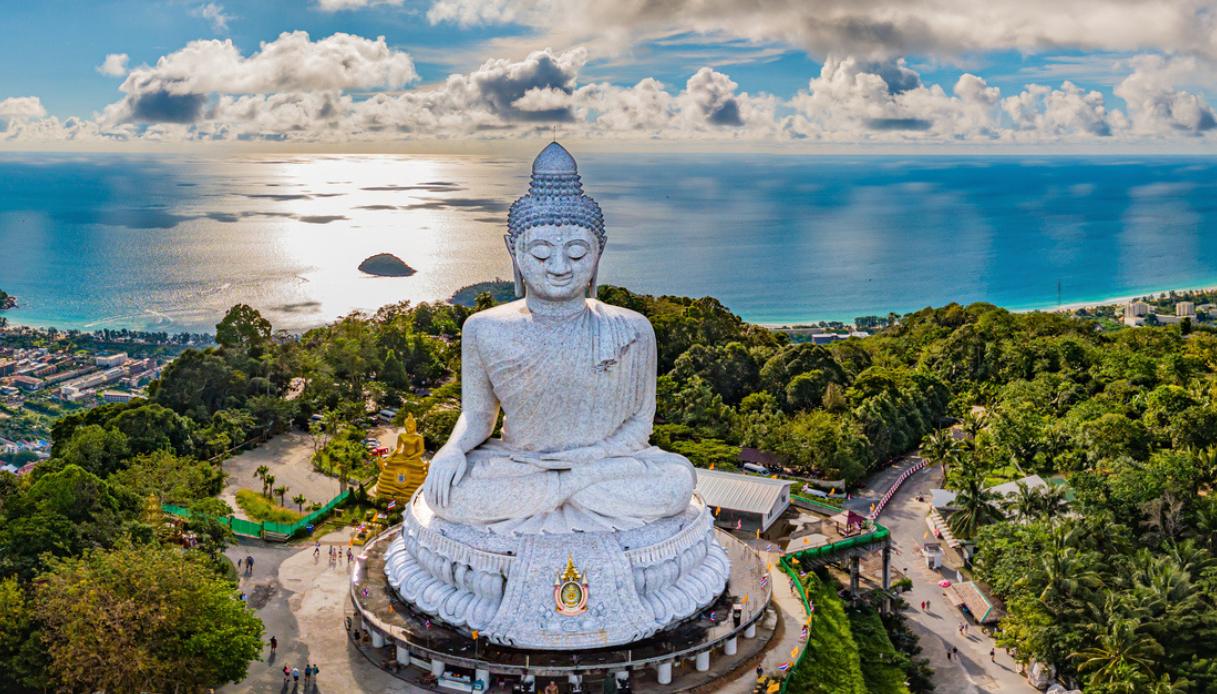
(169, 242)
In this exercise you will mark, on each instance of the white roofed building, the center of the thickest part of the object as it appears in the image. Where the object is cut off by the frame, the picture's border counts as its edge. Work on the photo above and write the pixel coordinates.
(743, 502)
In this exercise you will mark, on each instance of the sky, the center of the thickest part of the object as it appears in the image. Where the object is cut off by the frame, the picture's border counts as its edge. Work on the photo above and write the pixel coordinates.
(461, 75)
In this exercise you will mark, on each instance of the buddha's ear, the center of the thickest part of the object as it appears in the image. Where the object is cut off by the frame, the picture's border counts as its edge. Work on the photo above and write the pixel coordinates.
(515, 267)
(593, 285)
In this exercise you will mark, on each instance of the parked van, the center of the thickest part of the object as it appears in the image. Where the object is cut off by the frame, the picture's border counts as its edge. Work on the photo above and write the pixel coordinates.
(758, 469)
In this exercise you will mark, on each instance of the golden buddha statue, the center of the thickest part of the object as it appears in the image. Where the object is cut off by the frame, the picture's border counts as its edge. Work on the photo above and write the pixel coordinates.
(404, 470)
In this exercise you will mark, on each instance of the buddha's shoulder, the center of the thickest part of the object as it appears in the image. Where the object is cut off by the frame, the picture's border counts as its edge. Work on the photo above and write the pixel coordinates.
(630, 316)
(510, 312)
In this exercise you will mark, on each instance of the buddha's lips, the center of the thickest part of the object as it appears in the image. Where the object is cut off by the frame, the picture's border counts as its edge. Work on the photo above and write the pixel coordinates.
(560, 280)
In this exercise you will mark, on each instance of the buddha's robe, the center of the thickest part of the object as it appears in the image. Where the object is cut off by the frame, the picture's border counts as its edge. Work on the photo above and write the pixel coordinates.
(566, 384)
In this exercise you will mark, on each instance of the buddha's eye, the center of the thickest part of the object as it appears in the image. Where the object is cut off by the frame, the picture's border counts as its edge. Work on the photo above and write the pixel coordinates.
(540, 251)
(576, 250)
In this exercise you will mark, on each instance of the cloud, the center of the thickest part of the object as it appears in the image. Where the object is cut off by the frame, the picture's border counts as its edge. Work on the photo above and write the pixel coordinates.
(1155, 104)
(214, 14)
(177, 88)
(21, 107)
(714, 94)
(875, 30)
(115, 65)
(337, 5)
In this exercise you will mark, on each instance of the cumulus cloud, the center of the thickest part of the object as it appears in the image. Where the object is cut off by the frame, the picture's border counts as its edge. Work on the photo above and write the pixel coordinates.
(876, 29)
(21, 107)
(1155, 103)
(177, 88)
(714, 94)
(115, 65)
(215, 15)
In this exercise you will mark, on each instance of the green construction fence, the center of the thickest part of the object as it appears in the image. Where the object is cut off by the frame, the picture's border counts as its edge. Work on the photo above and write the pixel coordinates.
(267, 530)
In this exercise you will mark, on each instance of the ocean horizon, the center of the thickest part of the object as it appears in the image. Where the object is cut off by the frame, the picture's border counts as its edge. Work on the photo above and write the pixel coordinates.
(169, 242)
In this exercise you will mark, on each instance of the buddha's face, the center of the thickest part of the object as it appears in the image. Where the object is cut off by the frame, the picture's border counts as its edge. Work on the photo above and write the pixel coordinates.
(557, 263)
(411, 425)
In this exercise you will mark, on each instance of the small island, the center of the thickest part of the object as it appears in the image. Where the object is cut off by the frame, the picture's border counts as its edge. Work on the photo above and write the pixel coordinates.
(386, 265)
(7, 300)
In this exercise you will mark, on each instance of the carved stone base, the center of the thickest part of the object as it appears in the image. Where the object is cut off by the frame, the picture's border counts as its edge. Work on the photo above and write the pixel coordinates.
(627, 584)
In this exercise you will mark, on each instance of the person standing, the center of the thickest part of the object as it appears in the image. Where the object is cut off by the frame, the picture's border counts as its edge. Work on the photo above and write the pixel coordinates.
(274, 644)
(287, 675)
(308, 673)
(993, 655)
(315, 671)
(295, 677)
(249, 565)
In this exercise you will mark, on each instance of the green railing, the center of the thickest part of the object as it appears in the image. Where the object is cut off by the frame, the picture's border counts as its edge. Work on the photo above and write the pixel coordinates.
(878, 534)
(267, 529)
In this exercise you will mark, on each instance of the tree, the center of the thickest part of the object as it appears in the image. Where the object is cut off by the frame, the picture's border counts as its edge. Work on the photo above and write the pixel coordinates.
(149, 618)
(975, 506)
(170, 478)
(268, 483)
(261, 472)
(299, 500)
(281, 492)
(100, 451)
(243, 328)
(1124, 659)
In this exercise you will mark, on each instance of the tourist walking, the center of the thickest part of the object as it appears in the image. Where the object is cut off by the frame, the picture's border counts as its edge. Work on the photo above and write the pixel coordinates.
(993, 655)
(308, 672)
(287, 674)
(295, 677)
(274, 644)
(315, 671)
(249, 565)
(350, 554)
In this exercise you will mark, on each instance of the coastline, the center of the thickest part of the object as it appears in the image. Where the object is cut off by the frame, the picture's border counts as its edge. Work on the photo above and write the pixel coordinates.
(14, 320)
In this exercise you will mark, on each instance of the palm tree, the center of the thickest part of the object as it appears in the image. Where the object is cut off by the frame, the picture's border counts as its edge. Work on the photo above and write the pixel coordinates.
(976, 506)
(942, 448)
(261, 474)
(281, 492)
(299, 500)
(1025, 504)
(1122, 653)
(268, 482)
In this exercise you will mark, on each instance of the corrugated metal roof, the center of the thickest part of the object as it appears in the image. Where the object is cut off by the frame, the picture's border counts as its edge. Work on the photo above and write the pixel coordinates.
(739, 492)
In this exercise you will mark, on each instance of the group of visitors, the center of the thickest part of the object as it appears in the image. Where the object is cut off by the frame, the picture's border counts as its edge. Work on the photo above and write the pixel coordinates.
(292, 674)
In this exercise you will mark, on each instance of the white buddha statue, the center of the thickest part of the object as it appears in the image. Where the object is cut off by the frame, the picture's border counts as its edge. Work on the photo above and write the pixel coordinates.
(575, 378)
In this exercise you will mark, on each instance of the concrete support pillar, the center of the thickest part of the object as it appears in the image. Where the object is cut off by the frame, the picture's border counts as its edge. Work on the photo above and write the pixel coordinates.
(378, 639)
(663, 672)
(403, 655)
(703, 661)
(855, 565)
(750, 631)
(482, 675)
(887, 576)
(730, 646)
(437, 667)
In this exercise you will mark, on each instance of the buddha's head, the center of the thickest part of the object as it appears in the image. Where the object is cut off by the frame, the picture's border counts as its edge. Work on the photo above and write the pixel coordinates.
(411, 425)
(555, 232)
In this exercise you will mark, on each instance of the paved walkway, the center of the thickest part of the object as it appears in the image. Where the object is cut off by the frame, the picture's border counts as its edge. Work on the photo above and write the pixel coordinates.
(301, 600)
(938, 627)
(290, 459)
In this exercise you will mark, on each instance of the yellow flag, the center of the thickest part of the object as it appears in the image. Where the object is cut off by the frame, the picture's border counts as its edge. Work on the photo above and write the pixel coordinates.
(475, 634)
(794, 653)
(758, 533)
(774, 476)
(773, 688)
(717, 509)
(807, 540)
(769, 566)
(794, 560)
(832, 491)
(744, 601)
(711, 466)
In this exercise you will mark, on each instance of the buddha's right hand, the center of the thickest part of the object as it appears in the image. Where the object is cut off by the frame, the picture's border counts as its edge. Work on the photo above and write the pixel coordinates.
(446, 471)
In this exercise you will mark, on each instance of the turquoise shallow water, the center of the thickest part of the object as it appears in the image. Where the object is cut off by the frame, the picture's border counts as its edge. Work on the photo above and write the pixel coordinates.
(168, 243)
